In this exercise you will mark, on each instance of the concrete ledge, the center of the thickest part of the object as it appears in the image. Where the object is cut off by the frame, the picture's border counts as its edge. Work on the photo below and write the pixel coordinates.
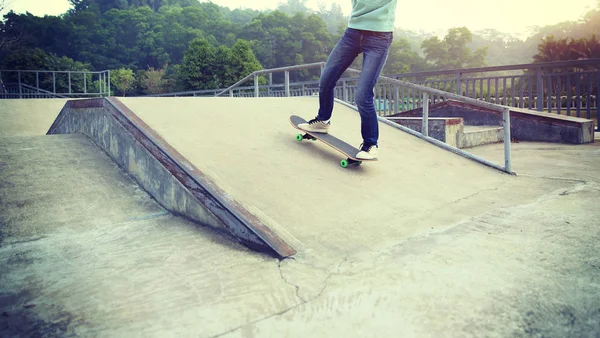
(474, 136)
(453, 132)
(165, 174)
(442, 129)
(526, 125)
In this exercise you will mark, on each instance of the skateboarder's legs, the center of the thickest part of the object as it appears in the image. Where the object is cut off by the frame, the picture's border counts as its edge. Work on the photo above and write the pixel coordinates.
(341, 57)
(375, 49)
(375, 52)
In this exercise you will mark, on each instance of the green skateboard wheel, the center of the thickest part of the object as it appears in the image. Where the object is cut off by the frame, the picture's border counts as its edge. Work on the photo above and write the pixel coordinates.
(299, 137)
(344, 163)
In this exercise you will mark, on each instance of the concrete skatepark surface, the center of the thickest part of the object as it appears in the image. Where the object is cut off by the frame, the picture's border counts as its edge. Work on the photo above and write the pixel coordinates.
(28, 117)
(423, 243)
(248, 148)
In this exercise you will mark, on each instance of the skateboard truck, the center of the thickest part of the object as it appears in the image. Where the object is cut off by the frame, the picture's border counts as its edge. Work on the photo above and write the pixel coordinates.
(301, 137)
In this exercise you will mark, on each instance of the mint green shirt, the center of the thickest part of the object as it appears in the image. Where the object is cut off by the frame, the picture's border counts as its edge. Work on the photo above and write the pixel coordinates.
(373, 15)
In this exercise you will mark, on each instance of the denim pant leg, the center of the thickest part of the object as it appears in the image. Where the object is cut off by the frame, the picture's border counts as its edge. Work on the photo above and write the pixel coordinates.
(375, 49)
(341, 57)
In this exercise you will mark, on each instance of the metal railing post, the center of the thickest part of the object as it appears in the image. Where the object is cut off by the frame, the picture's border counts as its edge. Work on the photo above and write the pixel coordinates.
(507, 154)
(425, 126)
(231, 93)
(597, 100)
(20, 86)
(396, 98)
(287, 83)
(256, 91)
(540, 89)
(345, 88)
(108, 82)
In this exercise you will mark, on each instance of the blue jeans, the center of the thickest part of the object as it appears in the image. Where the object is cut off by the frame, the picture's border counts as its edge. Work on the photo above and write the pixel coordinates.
(375, 48)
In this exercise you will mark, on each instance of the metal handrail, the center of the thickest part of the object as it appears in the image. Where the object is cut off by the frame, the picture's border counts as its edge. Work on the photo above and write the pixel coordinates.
(555, 64)
(505, 110)
(103, 78)
(55, 71)
(270, 71)
(429, 90)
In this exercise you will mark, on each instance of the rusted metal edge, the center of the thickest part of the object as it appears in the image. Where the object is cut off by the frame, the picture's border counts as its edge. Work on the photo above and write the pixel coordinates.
(236, 219)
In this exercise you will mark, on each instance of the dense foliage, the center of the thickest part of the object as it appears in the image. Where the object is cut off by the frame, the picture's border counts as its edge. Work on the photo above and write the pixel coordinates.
(155, 46)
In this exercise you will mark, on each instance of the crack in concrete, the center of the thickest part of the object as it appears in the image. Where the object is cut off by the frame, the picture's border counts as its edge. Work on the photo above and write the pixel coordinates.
(292, 284)
(478, 193)
(577, 188)
(297, 287)
(24, 241)
(575, 180)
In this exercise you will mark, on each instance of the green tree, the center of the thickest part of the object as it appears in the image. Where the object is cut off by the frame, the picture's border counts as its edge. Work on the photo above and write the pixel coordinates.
(123, 79)
(402, 59)
(196, 71)
(453, 51)
(503, 48)
(153, 80)
(242, 62)
(552, 49)
(279, 40)
(240, 16)
(221, 66)
(334, 17)
(291, 7)
(37, 59)
(589, 48)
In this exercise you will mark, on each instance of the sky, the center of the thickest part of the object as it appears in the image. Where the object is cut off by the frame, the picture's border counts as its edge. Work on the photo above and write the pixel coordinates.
(509, 16)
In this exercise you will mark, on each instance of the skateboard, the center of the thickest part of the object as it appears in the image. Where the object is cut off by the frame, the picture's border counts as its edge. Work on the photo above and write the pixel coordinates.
(331, 141)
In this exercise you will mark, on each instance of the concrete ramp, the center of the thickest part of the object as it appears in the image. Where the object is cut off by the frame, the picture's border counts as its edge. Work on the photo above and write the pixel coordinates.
(161, 170)
(247, 147)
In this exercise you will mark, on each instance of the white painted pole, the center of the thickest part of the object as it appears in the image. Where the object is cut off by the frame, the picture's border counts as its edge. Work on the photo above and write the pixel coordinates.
(256, 92)
(425, 126)
(507, 153)
(287, 83)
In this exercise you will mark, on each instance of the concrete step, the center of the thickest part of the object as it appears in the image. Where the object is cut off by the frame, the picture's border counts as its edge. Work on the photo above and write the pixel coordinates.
(453, 131)
(473, 136)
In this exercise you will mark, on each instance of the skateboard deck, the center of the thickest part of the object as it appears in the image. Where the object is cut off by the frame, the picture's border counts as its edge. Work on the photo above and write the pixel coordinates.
(332, 141)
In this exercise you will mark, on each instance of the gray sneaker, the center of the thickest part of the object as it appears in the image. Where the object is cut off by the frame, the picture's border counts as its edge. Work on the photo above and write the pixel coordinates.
(315, 126)
(367, 153)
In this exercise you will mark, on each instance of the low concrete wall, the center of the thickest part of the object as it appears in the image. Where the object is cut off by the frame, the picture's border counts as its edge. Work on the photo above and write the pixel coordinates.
(442, 129)
(98, 124)
(479, 136)
(526, 125)
(140, 153)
